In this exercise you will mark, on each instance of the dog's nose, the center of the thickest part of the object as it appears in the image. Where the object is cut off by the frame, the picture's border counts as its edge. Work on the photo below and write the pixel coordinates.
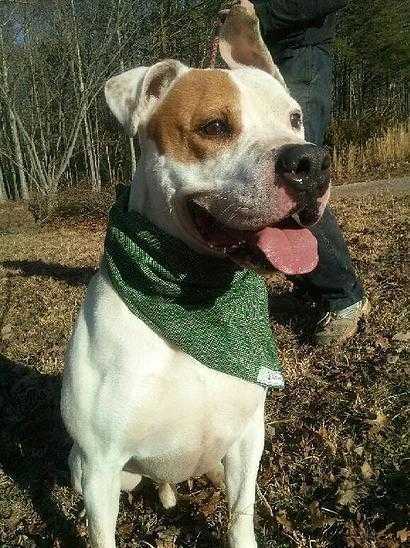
(305, 168)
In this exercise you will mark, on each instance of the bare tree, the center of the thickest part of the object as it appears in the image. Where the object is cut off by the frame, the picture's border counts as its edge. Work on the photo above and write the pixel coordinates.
(120, 49)
(55, 56)
(47, 149)
(23, 188)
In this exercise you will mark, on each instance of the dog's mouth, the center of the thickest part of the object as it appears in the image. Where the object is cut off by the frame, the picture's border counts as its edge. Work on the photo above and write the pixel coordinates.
(286, 245)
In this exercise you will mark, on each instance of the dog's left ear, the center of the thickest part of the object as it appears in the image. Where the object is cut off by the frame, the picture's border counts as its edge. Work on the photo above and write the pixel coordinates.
(241, 43)
(132, 95)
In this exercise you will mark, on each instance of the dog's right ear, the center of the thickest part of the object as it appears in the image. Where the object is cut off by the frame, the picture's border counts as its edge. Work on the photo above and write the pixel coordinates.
(132, 95)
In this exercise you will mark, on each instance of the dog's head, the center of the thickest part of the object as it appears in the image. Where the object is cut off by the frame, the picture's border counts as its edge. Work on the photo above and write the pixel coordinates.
(227, 148)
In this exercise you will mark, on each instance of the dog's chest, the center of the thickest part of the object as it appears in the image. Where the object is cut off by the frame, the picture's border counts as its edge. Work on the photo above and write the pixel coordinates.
(162, 406)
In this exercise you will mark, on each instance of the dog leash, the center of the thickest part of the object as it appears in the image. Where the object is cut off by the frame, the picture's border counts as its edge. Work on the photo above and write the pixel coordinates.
(213, 50)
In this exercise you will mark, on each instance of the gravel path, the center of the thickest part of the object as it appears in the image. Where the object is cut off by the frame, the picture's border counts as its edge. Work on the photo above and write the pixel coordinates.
(394, 187)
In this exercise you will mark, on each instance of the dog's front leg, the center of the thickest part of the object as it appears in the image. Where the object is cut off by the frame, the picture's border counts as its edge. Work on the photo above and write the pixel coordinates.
(100, 484)
(241, 468)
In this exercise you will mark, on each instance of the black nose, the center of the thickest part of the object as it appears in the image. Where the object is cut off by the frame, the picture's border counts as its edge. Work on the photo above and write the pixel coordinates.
(305, 168)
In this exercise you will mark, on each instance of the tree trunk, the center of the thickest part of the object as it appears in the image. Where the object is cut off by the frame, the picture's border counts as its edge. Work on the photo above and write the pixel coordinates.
(3, 192)
(130, 139)
(23, 187)
(95, 178)
(96, 147)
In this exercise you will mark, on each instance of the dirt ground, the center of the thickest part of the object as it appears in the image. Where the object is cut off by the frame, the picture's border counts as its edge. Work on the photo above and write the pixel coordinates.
(333, 470)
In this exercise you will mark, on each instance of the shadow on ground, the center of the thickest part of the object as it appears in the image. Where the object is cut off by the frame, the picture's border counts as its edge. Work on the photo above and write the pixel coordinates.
(71, 275)
(33, 453)
(295, 311)
(34, 447)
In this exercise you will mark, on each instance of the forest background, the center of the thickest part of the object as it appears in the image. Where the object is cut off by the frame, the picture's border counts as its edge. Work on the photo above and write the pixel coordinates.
(56, 132)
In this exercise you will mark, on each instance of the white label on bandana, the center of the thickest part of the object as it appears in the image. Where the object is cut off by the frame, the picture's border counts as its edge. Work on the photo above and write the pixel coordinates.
(270, 378)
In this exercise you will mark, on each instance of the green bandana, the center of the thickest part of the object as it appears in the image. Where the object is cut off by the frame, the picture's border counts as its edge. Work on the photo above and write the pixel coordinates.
(206, 306)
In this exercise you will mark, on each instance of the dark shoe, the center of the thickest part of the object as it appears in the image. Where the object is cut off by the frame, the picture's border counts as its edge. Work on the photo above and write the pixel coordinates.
(335, 328)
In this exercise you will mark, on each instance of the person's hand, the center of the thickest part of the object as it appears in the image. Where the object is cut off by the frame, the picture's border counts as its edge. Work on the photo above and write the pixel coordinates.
(250, 8)
(247, 4)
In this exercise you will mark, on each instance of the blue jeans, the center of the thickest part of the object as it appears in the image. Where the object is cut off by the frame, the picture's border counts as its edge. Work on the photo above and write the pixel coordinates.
(308, 74)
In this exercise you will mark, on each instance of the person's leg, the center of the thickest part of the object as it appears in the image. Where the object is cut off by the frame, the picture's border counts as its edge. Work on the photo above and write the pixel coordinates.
(307, 72)
(333, 280)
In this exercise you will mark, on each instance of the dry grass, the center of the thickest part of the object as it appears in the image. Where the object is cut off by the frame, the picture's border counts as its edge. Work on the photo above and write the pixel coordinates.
(79, 201)
(332, 473)
(381, 156)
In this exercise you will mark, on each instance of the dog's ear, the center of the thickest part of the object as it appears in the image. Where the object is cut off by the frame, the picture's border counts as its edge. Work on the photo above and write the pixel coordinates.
(241, 43)
(135, 93)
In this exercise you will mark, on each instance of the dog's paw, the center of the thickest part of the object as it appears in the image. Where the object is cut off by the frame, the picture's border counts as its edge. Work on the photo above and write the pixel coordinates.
(74, 462)
(217, 477)
(167, 495)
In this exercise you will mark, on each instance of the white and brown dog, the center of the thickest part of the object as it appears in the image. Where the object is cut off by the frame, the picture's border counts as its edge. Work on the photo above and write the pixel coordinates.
(224, 166)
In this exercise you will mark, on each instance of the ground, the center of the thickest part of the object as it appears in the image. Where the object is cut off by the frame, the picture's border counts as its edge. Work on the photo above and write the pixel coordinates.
(333, 470)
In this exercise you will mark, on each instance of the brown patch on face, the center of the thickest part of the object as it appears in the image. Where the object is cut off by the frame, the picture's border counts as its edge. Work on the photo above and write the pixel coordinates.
(199, 97)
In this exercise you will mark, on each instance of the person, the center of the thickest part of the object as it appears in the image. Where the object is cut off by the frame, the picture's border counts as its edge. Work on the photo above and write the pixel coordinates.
(299, 34)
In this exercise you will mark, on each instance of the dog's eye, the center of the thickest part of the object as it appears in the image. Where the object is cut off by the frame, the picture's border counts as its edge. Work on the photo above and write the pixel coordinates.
(296, 120)
(216, 128)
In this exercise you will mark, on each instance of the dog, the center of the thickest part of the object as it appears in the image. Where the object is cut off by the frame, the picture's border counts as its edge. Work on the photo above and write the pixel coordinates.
(224, 166)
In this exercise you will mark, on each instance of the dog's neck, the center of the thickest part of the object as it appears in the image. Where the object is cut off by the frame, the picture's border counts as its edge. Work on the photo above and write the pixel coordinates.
(151, 194)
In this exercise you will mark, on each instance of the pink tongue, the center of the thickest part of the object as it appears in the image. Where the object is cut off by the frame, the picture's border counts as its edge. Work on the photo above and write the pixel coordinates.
(290, 250)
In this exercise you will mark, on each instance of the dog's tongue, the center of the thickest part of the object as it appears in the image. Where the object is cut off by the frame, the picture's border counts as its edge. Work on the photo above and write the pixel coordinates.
(292, 250)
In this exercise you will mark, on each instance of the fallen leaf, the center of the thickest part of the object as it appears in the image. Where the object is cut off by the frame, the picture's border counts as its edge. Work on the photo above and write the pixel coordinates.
(402, 341)
(167, 538)
(209, 507)
(319, 520)
(367, 470)
(382, 342)
(402, 337)
(347, 494)
(403, 535)
(378, 424)
(6, 332)
(345, 472)
(349, 444)
(282, 518)
(359, 450)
